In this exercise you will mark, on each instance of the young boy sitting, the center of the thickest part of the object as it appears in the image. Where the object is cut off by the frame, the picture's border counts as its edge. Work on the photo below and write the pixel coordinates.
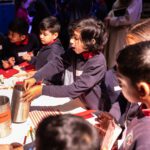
(49, 31)
(19, 43)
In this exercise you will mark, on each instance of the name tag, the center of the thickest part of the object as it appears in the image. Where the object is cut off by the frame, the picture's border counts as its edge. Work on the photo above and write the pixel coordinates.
(21, 53)
(79, 72)
(117, 88)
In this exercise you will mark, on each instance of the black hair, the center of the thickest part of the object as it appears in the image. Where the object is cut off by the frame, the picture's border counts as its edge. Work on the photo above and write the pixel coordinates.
(90, 29)
(66, 132)
(134, 62)
(50, 23)
(20, 26)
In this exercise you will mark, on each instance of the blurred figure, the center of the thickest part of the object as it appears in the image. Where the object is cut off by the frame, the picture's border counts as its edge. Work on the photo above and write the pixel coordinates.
(66, 132)
(124, 13)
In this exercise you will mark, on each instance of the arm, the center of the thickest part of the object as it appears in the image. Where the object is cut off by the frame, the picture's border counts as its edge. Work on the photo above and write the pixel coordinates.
(132, 15)
(91, 76)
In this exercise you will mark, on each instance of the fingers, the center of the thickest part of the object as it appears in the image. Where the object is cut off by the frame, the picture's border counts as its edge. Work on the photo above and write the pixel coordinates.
(27, 97)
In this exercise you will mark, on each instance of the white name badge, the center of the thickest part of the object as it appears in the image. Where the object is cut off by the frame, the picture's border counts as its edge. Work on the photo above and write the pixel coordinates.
(78, 73)
(117, 88)
(21, 53)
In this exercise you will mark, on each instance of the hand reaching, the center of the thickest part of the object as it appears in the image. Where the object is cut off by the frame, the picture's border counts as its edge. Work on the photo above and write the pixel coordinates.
(28, 83)
(32, 93)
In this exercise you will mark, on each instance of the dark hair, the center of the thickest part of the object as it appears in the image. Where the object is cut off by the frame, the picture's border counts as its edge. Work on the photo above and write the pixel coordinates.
(141, 30)
(134, 62)
(66, 132)
(50, 23)
(90, 29)
(20, 26)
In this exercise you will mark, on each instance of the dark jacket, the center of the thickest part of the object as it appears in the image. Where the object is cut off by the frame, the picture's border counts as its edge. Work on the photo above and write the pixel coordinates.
(47, 53)
(87, 76)
(138, 133)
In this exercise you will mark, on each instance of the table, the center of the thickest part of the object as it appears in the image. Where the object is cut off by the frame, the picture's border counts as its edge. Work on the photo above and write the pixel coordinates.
(65, 105)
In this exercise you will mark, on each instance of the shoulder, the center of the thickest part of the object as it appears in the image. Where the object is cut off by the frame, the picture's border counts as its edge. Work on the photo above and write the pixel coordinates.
(98, 60)
(139, 134)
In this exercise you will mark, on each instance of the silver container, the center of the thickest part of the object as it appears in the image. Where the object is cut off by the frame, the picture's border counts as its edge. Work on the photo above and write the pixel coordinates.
(19, 109)
(5, 116)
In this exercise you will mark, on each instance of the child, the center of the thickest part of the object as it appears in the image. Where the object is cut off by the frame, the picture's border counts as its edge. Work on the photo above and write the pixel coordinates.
(66, 132)
(85, 62)
(20, 42)
(133, 73)
(137, 33)
(49, 32)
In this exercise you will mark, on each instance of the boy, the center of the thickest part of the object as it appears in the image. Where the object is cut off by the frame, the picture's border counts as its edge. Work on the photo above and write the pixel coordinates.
(19, 43)
(49, 32)
(85, 62)
(133, 65)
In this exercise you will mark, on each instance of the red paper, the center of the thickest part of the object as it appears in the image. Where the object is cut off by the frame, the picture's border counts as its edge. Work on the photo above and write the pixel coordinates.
(8, 73)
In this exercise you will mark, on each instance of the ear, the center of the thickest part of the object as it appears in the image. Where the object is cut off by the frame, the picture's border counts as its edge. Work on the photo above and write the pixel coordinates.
(144, 89)
(55, 35)
(93, 41)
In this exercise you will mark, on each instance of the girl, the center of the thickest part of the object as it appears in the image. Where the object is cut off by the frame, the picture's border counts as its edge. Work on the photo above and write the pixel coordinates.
(134, 79)
(85, 62)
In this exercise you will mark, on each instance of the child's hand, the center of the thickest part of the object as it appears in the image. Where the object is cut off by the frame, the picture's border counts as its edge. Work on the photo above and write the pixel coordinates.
(28, 83)
(27, 57)
(6, 64)
(32, 93)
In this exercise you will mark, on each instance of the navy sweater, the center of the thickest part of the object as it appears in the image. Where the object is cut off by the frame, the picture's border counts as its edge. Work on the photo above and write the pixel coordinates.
(47, 53)
(87, 73)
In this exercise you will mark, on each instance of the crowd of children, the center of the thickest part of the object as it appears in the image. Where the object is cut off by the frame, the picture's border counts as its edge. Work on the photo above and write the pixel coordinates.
(81, 72)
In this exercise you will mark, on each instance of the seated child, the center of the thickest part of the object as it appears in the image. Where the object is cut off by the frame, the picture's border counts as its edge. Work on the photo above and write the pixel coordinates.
(133, 72)
(19, 43)
(49, 32)
(66, 132)
(84, 61)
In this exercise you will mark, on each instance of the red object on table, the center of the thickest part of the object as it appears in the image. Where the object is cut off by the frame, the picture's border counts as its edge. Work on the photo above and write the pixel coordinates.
(8, 73)
(86, 114)
(27, 67)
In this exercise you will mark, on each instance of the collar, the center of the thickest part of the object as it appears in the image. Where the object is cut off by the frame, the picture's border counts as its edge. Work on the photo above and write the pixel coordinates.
(24, 42)
(88, 55)
(145, 111)
(50, 43)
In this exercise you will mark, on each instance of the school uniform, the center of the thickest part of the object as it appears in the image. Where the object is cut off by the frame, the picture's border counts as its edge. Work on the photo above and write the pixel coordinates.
(17, 50)
(138, 132)
(87, 72)
(48, 53)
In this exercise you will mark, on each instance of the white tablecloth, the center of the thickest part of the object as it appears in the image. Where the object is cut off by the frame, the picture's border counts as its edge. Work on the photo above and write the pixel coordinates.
(66, 105)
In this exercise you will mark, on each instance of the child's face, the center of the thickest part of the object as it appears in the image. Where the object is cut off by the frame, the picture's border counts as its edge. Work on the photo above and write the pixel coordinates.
(46, 36)
(76, 43)
(129, 91)
(15, 37)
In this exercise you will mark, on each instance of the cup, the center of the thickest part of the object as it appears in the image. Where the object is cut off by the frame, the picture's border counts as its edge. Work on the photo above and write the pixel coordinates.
(5, 116)
(19, 109)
